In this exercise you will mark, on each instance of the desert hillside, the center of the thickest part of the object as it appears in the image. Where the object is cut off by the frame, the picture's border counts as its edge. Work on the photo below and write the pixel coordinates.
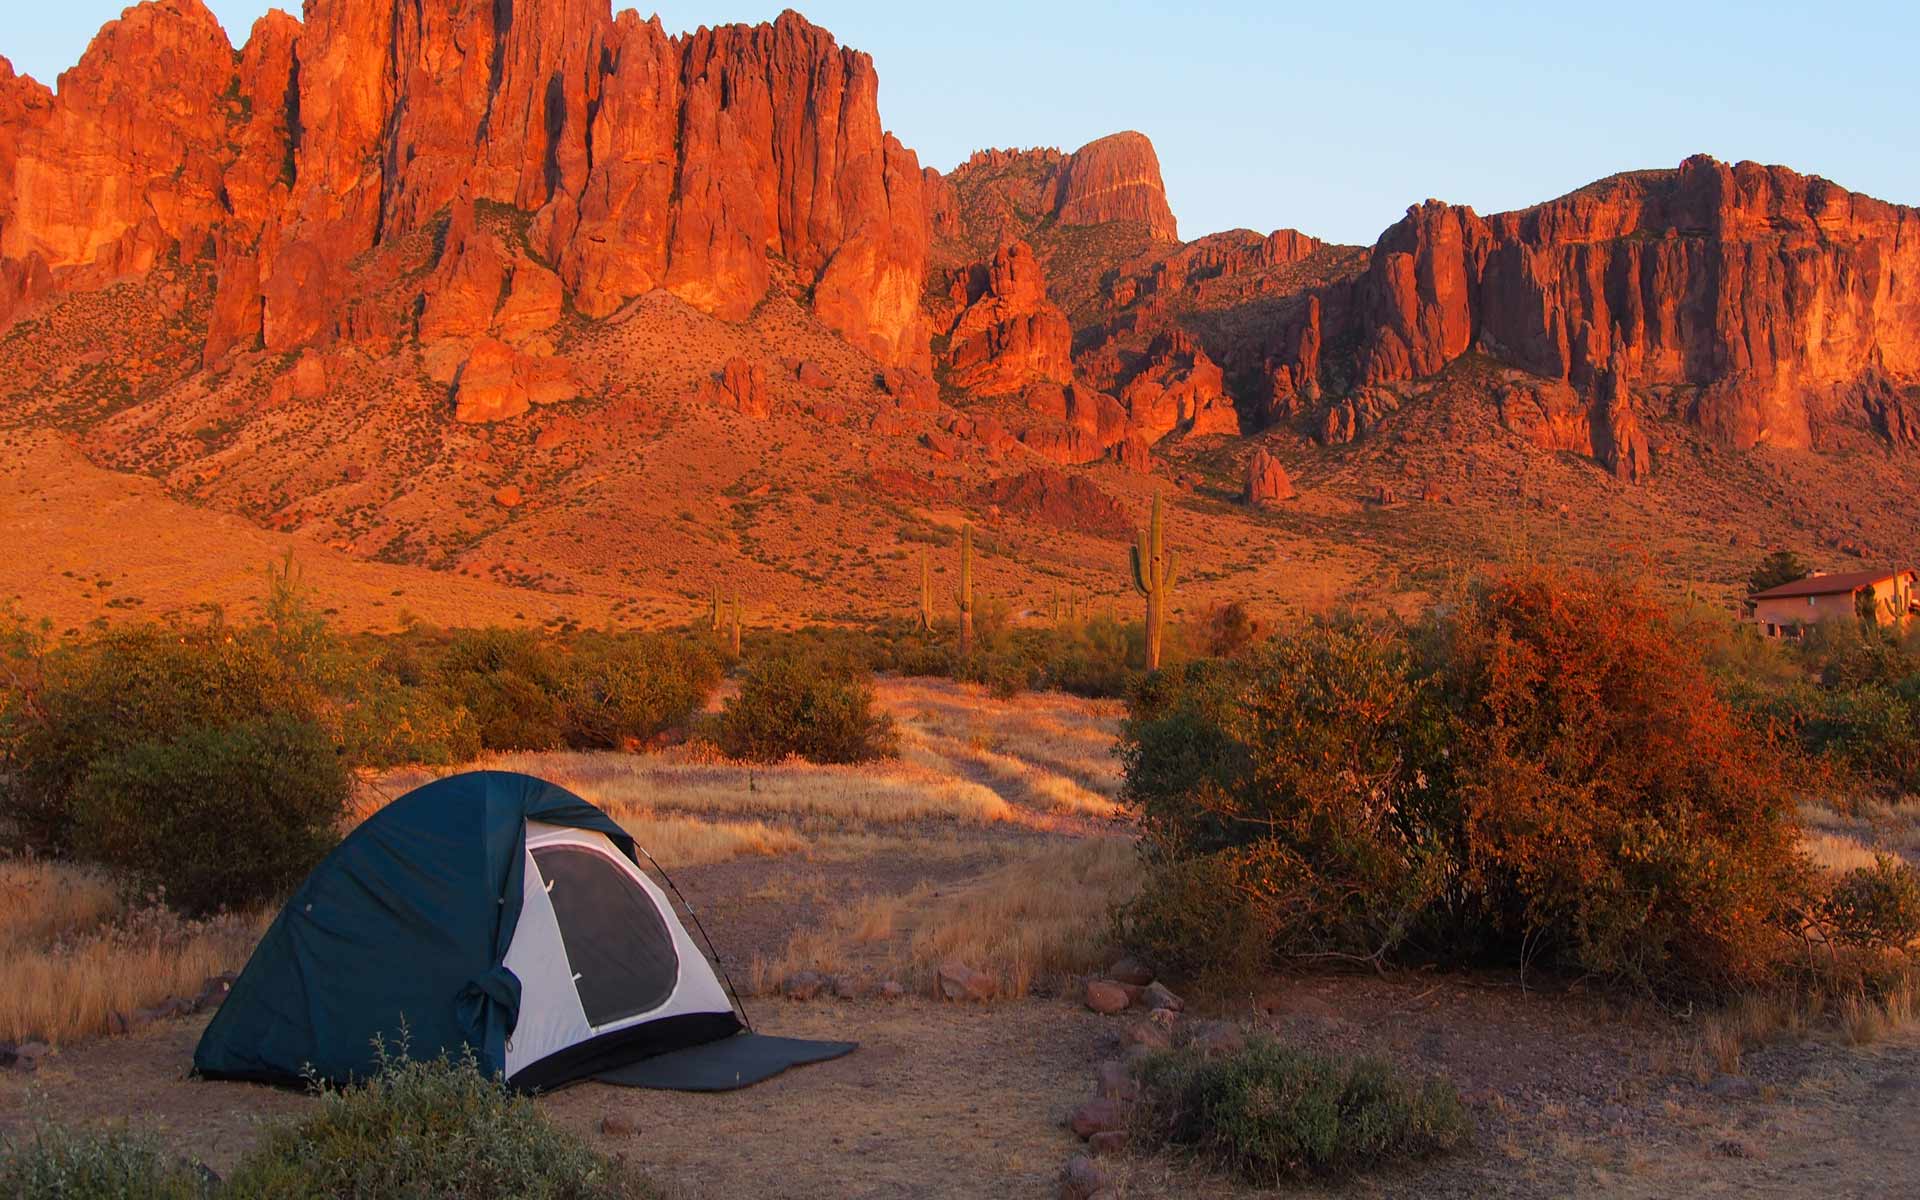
(565, 314)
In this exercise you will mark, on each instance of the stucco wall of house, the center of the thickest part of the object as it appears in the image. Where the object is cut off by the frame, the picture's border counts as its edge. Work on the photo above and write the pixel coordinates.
(1808, 610)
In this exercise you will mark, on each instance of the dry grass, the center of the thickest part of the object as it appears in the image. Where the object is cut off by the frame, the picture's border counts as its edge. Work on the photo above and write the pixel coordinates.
(1058, 747)
(65, 966)
(847, 797)
(1865, 1019)
(1031, 923)
(72, 951)
(42, 902)
(688, 843)
(1837, 853)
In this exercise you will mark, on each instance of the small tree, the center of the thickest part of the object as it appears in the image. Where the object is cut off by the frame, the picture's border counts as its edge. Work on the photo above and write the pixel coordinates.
(1777, 569)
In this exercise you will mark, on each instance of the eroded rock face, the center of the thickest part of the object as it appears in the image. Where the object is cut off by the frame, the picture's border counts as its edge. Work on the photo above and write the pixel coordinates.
(498, 383)
(1267, 481)
(1179, 390)
(742, 387)
(1116, 179)
(644, 161)
(1780, 298)
(1010, 335)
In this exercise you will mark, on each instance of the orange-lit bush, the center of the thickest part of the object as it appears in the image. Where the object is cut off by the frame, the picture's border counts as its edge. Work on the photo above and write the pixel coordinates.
(1616, 814)
(1544, 774)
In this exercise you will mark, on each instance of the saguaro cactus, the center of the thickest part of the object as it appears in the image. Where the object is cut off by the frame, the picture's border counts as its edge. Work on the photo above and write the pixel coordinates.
(1154, 571)
(964, 593)
(713, 607)
(736, 625)
(926, 590)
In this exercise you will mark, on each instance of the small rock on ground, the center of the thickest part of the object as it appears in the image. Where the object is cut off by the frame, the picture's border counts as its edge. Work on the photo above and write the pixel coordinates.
(958, 981)
(1097, 1116)
(1082, 1179)
(1106, 997)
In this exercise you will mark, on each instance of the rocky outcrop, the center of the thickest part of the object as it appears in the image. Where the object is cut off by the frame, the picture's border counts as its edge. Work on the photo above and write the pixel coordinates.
(742, 387)
(1009, 335)
(1267, 481)
(1179, 389)
(498, 383)
(639, 161)
(1775, 299)
(1048, 497)
(1115, 179)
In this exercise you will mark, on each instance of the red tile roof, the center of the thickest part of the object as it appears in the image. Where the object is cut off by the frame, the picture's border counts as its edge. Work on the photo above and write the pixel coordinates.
(1828, 585)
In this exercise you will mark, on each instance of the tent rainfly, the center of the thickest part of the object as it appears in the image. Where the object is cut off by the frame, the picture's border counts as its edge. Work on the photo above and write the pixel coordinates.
(499, 913)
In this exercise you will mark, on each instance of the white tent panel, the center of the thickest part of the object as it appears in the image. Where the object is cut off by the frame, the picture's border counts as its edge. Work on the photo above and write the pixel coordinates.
(552, 1017)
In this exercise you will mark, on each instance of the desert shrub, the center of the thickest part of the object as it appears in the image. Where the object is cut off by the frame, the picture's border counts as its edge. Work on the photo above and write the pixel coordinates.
(1227, 630)
(429, 1129)
(1876, 907)
(1096, 659)
(217, 817)
(819, 710)
(1873, 730)
(1274, 1115)
(1196, 918)
(1845, 655)
(621, 691)
(390, 724)
(511, 680)
(143, 685)
(1310, 775)
(57, 1163)
(1615, 813)
(1545, 773)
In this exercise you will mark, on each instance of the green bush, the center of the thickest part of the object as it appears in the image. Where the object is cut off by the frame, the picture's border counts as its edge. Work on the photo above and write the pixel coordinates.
(791, 705)
(625, 691)
(55, 1163)
(1196, 919)
(512, 681)
(1311, 775)
(93, 699)
(429, 1130)
(1273, 1115)
(1877, 907)
(218, 817)
(391, 724)
(1873, 730)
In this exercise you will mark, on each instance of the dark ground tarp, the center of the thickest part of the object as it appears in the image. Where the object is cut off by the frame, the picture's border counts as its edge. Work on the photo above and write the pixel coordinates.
(404, 926)
(736, 1062)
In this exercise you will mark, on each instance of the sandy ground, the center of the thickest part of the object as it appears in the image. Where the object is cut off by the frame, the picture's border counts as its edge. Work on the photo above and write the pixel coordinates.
(954, 1101)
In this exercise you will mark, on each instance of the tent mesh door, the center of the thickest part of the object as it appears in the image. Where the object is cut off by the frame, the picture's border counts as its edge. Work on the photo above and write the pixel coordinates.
(620, 949)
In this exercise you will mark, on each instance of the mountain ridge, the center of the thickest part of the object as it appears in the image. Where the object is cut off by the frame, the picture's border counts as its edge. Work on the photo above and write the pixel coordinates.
(370, 270)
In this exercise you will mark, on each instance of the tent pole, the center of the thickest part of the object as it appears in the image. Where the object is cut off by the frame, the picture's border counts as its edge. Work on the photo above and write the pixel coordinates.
(711, 952)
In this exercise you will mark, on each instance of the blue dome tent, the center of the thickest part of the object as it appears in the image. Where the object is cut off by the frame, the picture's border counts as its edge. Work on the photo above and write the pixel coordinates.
(494, 912)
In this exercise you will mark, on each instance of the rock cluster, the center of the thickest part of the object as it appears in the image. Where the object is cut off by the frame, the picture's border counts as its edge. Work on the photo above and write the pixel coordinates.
(1009, 335)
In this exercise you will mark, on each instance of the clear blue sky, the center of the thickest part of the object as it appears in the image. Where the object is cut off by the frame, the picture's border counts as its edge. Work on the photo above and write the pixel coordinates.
(1333, 118)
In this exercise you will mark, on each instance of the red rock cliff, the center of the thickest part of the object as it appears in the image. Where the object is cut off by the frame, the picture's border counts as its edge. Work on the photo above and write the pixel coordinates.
(1777, 298)
(646, 161)
(1116, 179)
